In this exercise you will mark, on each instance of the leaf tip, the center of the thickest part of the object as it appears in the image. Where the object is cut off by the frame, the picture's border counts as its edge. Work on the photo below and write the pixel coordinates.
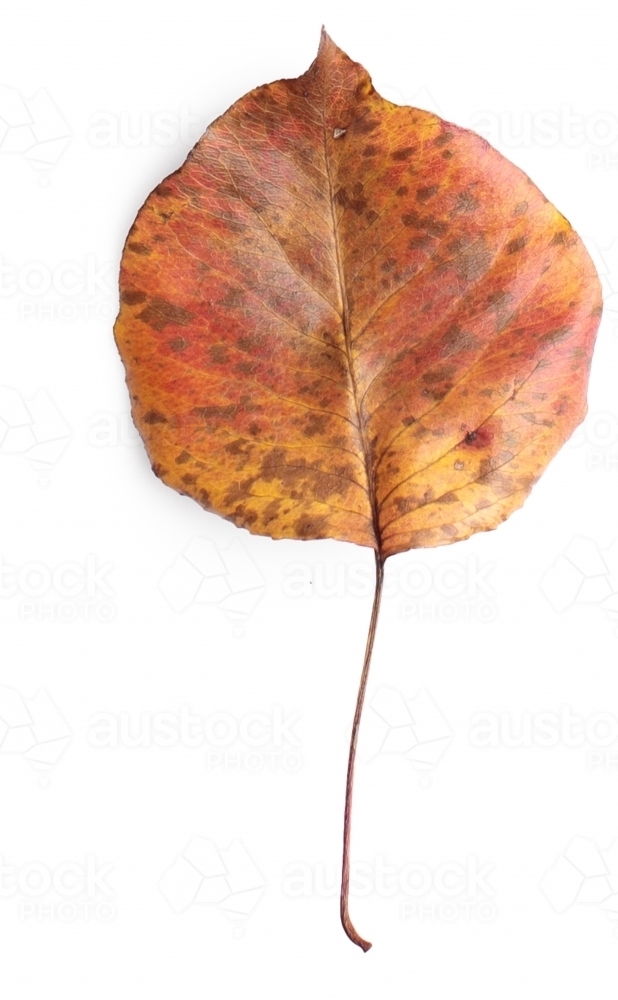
(326, 47)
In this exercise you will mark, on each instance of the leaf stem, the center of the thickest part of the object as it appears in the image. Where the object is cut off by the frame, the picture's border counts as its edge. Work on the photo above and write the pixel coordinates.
(348, 926)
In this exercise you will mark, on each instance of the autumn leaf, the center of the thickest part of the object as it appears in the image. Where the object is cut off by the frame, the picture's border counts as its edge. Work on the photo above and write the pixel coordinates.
(342, 318)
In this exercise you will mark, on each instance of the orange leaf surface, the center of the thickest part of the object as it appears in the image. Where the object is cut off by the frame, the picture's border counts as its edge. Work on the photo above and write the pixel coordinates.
(344, 318)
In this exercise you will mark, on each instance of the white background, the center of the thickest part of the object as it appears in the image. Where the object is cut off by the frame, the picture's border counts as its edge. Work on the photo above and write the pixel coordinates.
(545, 638)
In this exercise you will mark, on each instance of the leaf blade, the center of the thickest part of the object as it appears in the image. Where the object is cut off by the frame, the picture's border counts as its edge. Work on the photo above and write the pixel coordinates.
(345, 318)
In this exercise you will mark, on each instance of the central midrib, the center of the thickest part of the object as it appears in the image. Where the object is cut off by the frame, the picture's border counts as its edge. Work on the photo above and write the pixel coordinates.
(345, 321)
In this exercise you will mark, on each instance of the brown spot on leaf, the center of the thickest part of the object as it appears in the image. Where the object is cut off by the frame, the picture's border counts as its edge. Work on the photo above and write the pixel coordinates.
(218, 354)
(238, 447)
(155, 417)
(473, 262)
(316, 424)
(358, 205)
(271, 510)
(515, 245)
(420, 242)
(250, 343)
(244, 516)
(555, 336)
(423, 194)
(403, 154)
(132, 296)
(309, 527)
(160, 313)
(364, 125)
(140, 248)
(481, 438)
(465, 203)
(436, 227)
(178, 344)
